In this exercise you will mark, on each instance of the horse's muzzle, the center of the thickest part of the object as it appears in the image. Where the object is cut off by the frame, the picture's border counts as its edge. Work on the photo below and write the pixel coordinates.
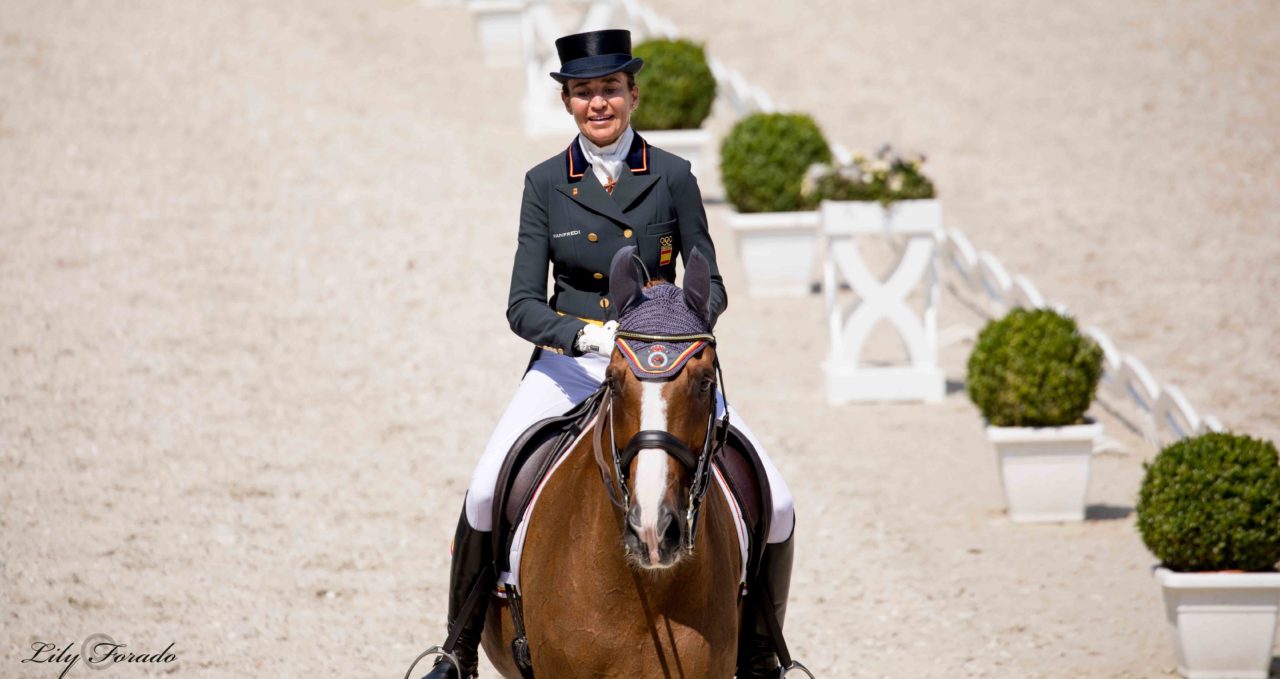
(658, 547)
(661, 544)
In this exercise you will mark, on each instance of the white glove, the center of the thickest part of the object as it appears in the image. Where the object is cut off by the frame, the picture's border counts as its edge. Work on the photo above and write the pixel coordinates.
(596, 338)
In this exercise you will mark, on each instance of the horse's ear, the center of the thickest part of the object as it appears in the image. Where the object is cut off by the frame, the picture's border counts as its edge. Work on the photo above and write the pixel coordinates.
(626, 280)
(697, 285)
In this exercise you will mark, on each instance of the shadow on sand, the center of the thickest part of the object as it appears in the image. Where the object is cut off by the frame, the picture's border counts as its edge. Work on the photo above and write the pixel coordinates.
(1106, 512)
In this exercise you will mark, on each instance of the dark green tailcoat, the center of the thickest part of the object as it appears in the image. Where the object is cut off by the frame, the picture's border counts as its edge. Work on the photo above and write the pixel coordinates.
(570, 223)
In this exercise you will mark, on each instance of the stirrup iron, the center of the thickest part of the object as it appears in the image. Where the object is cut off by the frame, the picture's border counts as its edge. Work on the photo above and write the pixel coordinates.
(795, 666)
(437, 650)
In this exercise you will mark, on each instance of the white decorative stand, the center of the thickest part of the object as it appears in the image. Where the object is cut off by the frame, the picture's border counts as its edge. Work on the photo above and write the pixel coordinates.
(921, 223)
(498, 26)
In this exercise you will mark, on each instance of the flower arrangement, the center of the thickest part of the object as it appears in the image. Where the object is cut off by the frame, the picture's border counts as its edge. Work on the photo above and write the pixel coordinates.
(886, 177)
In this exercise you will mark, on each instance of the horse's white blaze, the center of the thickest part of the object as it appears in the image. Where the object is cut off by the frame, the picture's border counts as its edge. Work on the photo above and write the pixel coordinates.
(651, 465)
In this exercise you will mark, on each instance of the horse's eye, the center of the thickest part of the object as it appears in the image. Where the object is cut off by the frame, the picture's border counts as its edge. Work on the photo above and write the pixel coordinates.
(706, 384)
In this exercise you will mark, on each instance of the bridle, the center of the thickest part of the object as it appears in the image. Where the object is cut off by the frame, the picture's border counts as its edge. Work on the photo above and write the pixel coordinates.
(700, 465)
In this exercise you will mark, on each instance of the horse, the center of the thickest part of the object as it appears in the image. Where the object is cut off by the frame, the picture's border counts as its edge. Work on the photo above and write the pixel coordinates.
(632, 562)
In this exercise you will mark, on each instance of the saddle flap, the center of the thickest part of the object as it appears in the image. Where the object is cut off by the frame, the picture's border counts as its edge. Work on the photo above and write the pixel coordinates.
(528, 461)
(740, 465)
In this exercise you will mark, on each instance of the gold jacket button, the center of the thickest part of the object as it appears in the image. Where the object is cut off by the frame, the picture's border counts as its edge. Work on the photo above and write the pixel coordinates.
(592, 237)
(598, 276)
(626, 234)
(604, 303)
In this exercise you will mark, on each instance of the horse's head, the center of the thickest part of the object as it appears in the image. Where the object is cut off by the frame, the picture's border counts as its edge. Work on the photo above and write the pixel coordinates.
(662, 385)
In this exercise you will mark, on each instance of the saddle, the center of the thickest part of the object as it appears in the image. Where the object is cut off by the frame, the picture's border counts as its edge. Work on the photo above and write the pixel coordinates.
(536, 451)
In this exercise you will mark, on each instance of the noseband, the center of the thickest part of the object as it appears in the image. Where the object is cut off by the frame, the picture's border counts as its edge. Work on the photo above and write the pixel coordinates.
(700, 465)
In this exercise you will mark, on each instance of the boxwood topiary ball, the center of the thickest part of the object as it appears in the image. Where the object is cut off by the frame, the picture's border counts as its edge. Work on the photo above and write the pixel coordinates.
(1212, 503)
(1033, 368)
(763, 160)
(677, 88)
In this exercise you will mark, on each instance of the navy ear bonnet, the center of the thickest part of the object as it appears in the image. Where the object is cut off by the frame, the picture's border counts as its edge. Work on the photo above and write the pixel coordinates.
(664, 311)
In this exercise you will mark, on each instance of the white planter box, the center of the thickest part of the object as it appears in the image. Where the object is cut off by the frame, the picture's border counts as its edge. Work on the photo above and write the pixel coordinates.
(852, 217)
(498, 26)
(870, 217)
(688, 144)
(1045, 470)
(778, 251)
(916, 216)
(1222, 624)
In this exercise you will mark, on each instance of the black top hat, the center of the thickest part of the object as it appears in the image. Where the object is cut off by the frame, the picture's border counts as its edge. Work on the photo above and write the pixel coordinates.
(595, 54)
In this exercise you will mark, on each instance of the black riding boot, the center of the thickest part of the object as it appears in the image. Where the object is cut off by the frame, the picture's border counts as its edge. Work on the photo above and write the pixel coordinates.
(471, 569)
(757, 656)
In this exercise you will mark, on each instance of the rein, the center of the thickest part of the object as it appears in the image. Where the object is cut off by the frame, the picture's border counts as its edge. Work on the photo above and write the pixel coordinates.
(700, 465)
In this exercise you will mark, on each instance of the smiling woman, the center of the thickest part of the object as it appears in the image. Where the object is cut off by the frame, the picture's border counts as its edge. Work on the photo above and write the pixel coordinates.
(608, 191)
(602, 106)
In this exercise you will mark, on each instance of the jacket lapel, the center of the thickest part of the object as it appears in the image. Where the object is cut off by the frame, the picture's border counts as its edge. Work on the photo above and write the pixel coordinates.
(631, 187)
(588, 193)
(583, 187)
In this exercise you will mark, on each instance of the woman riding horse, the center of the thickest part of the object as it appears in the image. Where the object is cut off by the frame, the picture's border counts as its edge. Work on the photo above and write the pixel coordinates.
(599, 595)
(610, 189)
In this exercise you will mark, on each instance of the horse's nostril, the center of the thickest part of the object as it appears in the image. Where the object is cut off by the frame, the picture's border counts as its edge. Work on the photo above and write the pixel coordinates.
(633, 518)
(669, 527)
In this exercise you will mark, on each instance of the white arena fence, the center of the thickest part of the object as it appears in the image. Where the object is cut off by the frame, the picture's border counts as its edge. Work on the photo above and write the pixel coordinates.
(1161, 412)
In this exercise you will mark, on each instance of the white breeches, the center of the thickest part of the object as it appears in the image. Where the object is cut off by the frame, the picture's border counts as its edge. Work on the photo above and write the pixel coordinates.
(553, 386)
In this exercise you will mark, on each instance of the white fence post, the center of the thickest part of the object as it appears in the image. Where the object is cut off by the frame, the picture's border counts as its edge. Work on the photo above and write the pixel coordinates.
(995, 282)
(1143, 392)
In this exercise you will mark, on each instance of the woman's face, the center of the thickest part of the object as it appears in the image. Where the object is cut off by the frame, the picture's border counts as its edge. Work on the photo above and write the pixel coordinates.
(601, 106)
